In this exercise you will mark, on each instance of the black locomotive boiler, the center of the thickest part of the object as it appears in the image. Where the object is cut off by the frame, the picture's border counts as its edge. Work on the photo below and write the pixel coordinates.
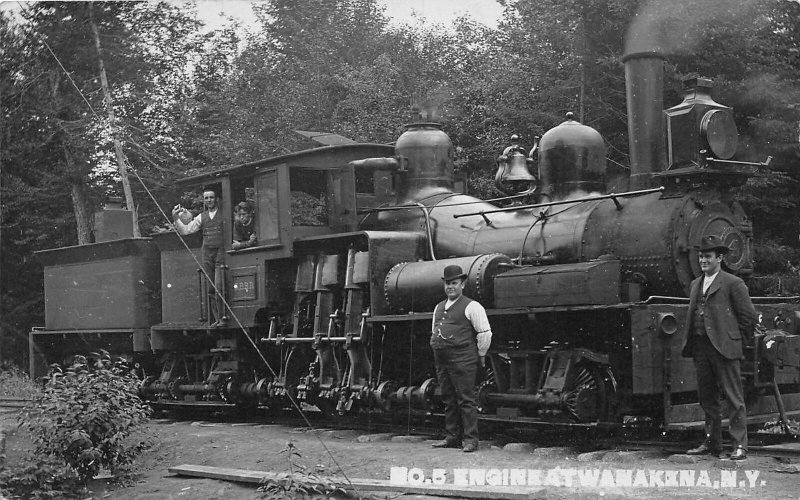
(586, 290)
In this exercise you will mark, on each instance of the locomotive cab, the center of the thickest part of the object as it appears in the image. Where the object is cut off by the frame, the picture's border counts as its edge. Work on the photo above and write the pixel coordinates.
(301, 195)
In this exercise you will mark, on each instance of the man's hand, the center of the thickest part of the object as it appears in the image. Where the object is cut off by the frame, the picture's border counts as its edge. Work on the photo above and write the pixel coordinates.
(176, 211)
(483, 361)
(253, 238)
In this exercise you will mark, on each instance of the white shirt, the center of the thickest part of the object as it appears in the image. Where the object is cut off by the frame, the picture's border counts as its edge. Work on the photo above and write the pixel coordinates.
(476, 314)
(707, 280)
(195, 225)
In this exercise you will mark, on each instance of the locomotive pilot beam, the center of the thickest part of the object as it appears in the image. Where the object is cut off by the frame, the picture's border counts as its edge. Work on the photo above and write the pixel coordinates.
(586, 290)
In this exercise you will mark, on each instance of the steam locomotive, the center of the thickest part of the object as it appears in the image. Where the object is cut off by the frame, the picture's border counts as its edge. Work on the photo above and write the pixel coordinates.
(586, 290)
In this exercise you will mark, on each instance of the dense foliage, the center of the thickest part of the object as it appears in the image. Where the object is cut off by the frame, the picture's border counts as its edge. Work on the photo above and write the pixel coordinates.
(41, 478)
(87, 416)
(189, 100)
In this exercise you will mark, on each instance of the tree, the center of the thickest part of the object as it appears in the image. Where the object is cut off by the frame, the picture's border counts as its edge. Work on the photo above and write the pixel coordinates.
(36, 192)
(56, 144)
(750, 51)
(108, 101)
(292, 73)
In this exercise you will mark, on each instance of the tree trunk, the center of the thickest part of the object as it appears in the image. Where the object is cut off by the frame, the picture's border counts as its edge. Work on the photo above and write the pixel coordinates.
(112, 122)
(83, 216)
(80, 202)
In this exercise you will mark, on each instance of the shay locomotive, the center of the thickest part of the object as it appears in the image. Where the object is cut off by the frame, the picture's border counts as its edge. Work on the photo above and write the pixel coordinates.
(586, 290)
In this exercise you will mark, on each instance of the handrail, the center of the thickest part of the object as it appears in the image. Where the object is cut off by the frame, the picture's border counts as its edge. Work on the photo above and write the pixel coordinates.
(428, 228)
(612, 196)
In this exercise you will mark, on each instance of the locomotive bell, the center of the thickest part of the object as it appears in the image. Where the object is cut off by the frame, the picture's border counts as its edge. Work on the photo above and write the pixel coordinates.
(512, 167)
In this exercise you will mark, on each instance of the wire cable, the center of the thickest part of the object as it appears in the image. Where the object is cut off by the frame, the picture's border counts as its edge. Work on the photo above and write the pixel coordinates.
(542, 216)
(218, 293)
(244, 331)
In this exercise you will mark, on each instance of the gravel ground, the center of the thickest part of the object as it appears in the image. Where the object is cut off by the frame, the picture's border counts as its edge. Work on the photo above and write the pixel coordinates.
(554, 472)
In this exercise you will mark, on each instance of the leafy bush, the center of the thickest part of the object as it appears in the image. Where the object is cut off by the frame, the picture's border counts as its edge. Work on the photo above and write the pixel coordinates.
(774, 285)
(14, 383)
(292, 486)
(41, 478)
(295, 484)
(777, 268)
(86, 416)
(771, 257)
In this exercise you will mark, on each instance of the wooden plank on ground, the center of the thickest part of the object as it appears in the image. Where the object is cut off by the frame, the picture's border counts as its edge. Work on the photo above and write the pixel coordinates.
(446, 490)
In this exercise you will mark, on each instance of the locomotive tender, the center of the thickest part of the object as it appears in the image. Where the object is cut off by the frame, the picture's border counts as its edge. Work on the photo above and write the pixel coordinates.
(586, 291)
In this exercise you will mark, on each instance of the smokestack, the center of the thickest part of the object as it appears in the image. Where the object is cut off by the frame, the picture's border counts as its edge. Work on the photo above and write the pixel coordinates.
(644, 82)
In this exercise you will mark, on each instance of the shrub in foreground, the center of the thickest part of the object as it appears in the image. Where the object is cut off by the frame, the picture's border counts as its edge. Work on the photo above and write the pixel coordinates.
(86, 415)
(41, 478)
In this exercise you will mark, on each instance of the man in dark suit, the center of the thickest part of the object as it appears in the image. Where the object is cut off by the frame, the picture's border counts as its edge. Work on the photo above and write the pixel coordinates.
(720, 318)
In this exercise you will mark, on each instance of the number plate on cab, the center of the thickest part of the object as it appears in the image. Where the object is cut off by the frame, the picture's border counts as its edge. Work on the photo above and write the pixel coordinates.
(244, 287)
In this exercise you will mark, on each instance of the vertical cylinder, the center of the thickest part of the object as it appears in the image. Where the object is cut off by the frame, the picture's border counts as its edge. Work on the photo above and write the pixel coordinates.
(428, 152)
(644, 81)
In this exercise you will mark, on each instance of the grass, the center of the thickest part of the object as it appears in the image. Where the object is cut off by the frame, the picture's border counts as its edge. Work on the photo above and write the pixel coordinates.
(14, 383)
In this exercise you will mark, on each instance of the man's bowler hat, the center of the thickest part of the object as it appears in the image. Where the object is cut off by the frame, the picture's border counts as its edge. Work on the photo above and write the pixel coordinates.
(712, 242)
(453, 272)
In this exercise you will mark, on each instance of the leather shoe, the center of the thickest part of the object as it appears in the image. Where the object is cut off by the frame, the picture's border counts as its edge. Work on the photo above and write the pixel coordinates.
(470, 447)
(446, 443)
(704, 449)
(739, 453)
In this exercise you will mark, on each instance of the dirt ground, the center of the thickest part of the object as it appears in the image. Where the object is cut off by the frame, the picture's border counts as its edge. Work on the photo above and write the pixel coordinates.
(555, 472)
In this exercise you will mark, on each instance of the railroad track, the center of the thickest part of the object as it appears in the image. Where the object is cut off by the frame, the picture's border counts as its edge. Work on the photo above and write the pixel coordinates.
(581, 438)
(789, 449)
(319, 421)
(12, 405)
(584, 438)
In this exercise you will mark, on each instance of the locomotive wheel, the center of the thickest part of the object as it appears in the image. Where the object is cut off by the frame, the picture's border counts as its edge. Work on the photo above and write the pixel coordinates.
(262, 393)
(383, 394)
(590, 394)
(174, 388)
(227, 390)
(426, 392)
(488, 385)
(484, 406)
